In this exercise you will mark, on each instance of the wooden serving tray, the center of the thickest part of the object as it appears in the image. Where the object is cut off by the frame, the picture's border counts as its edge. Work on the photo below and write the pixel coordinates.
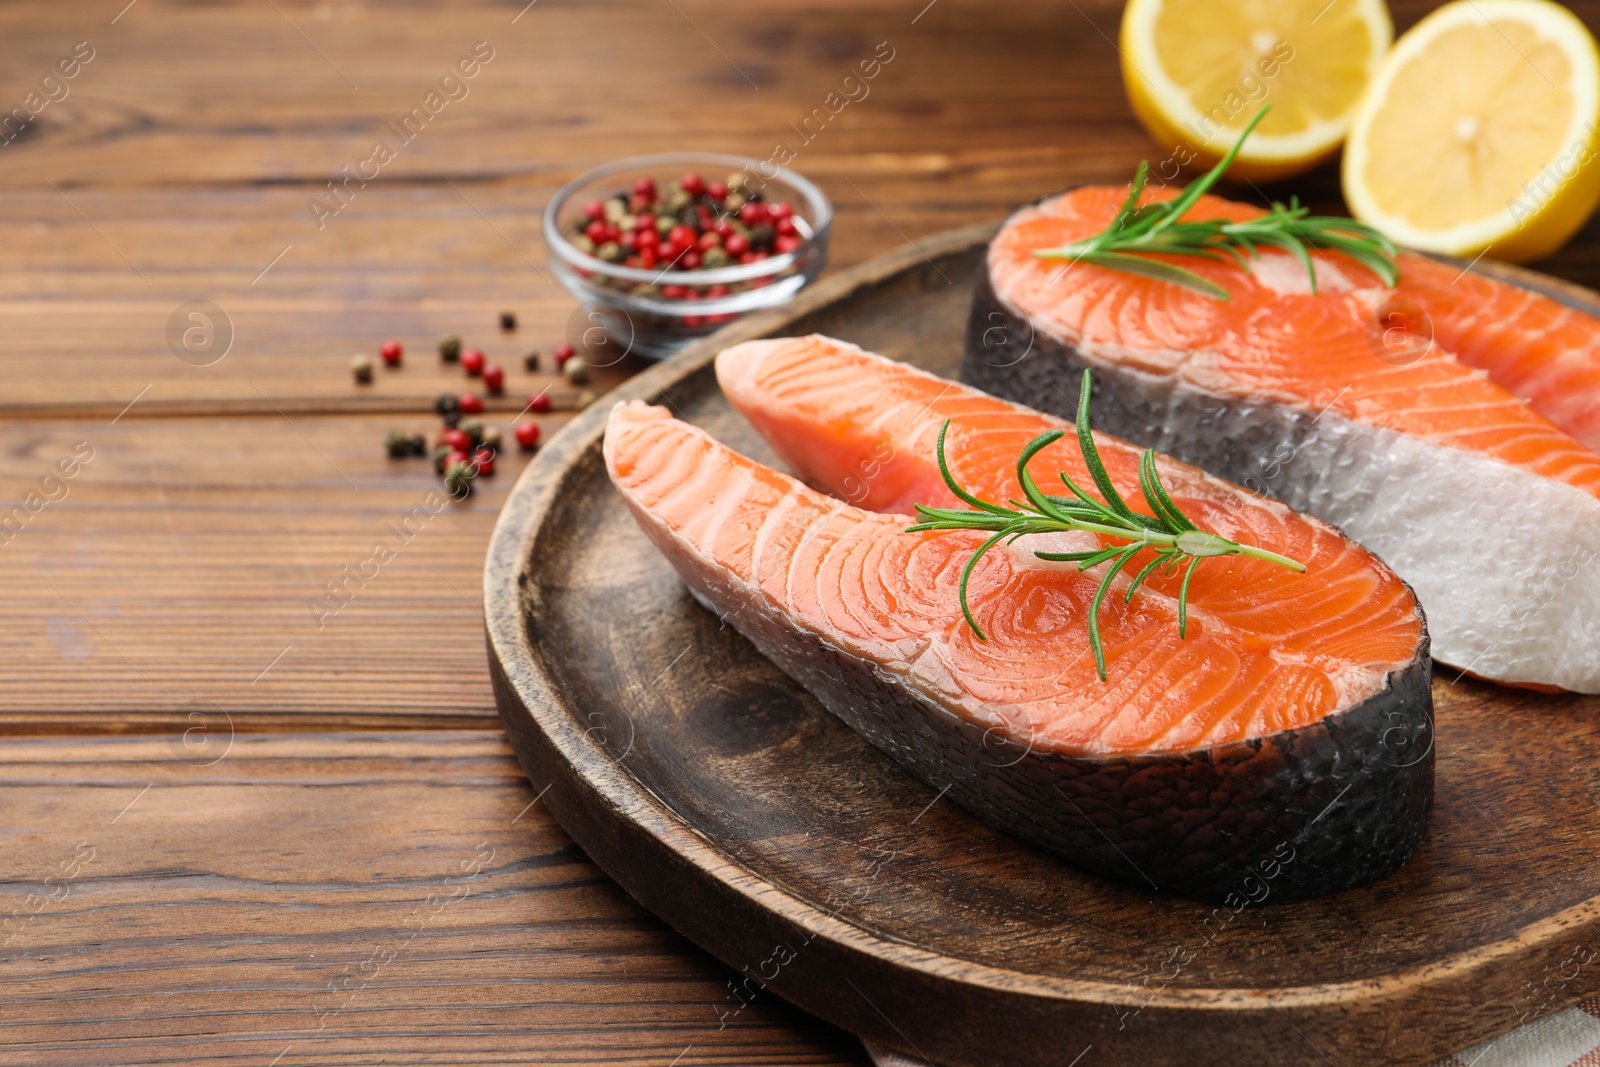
(727, 801)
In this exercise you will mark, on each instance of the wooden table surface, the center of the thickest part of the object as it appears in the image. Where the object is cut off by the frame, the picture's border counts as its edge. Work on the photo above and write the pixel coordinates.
(234, 827)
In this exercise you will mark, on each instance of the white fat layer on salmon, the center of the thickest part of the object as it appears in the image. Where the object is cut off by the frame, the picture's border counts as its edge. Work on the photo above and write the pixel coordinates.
(1284, 274)
(1505, 562)
(922, 664)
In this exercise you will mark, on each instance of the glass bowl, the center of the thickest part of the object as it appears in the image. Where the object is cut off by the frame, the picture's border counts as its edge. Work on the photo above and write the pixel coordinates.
(655, 310)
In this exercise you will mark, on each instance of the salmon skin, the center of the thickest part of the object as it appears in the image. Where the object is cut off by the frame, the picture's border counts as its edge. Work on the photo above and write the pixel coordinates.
(1260, 750)
(1449, 424)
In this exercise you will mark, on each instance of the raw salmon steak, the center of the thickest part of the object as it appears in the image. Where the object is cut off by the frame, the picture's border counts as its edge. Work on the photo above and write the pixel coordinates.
(1286, 742)
(1450, 424)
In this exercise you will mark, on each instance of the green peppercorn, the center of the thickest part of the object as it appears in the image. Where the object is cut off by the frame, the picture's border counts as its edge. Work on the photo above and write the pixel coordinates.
(611, 252)
(678, 201)
(531, 362)
(737, 180)
(440, 454)
(458, 480)
(473, 428)
(714, 257)
(733, 203)
(419, 445)
(491, 437)
(576, 370)
(449, 348)
(398, 444)
(615, 209)
(586, 398)
(361, 368)
(583, 244)
(665, 223)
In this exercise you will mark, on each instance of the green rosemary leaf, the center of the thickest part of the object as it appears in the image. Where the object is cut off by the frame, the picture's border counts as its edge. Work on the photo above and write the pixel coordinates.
(1172, 535)
(1159, 269)
(1136, 234)
(1183, 599)
(1095, 643)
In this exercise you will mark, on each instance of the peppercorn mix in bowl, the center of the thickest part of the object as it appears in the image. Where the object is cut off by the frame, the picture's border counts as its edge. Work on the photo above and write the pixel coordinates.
(664, 249)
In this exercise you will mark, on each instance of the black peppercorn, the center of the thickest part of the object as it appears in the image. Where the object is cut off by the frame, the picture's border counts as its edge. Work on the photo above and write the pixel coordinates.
(531, 362)
(398, 444)
(419, 445)
(508, 321)
(440, 454)
(449, 348)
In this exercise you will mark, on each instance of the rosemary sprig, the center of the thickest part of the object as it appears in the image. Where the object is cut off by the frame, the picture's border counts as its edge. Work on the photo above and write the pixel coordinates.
(1168, 530)
(1138, 232)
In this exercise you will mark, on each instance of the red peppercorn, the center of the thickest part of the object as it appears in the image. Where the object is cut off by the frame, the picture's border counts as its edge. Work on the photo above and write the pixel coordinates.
(753, 214)
(456, 456)
(682, 236)
(539, 403)
(784, 227)
(647, 238)
(780, 210)
(472, 361)
(483, 459)
(723, 228)
(735, 245)
(391, 353)
(692, 184)
(596, 231)
(471, 404)
(645, 189)
(692, 321)
(647, 259)
(786, 243)
(562, 353)
(709, 240)
(690, 260)
(673, 292)
(494, 378)
(748, 257)
(528, 434)
(595, 209)
(643, 222)
(459, 440)
(717, 191)
(717, 290)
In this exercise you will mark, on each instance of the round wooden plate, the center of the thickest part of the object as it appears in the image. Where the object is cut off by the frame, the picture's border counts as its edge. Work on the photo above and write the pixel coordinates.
(728, 802)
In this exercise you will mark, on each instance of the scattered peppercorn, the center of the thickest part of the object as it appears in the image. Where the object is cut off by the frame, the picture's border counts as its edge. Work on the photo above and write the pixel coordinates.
(458, 440)
(539, 403)
(494, 378)
(470, 404)
(472, 361)
(398, 444)
(445, 403)
(458, 479)
(530, 362)
(473, 428)
(419, 445)
(576, 370)
(440, 454)
(483, 460)
(491, 437)
(508, 321)
(361, 368)
(528, 435)
(391, 353)
(562, 353)
(449, 348)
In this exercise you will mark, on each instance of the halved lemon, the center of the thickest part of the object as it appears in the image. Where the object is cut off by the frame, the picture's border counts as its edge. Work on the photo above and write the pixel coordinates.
(1480, 132)
(1197, 70)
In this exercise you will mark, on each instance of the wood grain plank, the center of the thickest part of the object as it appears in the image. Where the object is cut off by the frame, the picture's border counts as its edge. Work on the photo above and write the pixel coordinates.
(185, 556)
(329, 899)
